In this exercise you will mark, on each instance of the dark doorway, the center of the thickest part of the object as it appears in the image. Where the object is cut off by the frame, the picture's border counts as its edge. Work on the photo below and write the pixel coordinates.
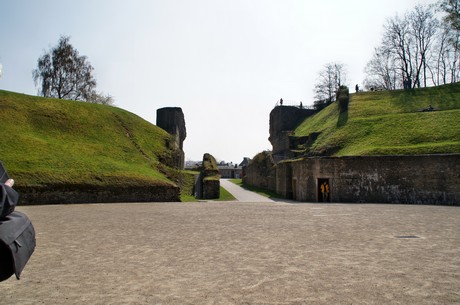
(324, 190)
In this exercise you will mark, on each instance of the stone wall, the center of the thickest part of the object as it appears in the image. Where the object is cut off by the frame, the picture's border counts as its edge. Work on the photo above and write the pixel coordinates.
(211, 188)
(284, 120)
(172, 120)
(261, 172)
(422, 179)
(283, 179)
(57, 194)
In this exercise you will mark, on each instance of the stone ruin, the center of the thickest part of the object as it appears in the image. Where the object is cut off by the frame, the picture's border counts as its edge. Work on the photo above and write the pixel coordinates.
(407, 179)
(207, 184)
(283, 121)
(171, 119)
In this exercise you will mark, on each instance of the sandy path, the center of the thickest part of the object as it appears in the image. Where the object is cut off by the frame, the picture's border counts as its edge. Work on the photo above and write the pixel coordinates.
(240, 253)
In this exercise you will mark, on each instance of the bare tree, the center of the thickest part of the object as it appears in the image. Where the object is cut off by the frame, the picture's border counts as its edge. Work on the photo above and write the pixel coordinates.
(449, 41)
(330, 78)
(445, 65)
(101, 98)
(408, 56)
(423, 30)
(398, 42)
(381, 71)
(451, 8)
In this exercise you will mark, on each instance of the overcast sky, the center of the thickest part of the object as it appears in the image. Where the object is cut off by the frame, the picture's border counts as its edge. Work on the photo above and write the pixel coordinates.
(224, 62)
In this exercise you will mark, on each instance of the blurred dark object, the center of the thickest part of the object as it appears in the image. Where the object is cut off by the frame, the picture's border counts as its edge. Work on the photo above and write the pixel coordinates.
(17, 235)
(17, 243)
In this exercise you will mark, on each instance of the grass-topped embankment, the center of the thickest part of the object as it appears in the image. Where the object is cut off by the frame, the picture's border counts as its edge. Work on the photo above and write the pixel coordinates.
(388, 122)
(48, 141)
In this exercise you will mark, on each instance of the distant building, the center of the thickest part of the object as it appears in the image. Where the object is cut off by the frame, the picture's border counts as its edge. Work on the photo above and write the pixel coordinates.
(245, 162)
(232, 171)
(193, 165)
(228, 170)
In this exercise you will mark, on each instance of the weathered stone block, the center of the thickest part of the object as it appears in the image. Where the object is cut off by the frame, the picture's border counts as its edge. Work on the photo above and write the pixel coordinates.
(57, 194)
(208, 183)
(172, 120)
(283, 120)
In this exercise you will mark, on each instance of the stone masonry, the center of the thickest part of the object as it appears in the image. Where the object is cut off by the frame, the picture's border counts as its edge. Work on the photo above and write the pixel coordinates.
(419, 179)
(283, 121)
(172, 120)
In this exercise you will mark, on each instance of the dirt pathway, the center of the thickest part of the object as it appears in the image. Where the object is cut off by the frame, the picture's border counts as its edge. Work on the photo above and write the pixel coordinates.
(240, 253)
(241, 194)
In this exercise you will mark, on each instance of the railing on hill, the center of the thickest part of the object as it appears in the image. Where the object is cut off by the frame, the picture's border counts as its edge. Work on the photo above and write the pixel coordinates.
(292, 103)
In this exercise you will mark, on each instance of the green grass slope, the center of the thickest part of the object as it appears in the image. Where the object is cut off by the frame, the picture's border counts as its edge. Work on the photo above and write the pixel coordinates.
(48, 141)
(388, 122)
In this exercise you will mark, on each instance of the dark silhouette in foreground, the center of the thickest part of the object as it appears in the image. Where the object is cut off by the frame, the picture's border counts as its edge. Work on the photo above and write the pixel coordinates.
(17, 235)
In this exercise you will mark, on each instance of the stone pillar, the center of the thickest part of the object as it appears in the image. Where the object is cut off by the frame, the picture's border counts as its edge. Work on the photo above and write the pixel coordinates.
(171, 119)
(208, 183)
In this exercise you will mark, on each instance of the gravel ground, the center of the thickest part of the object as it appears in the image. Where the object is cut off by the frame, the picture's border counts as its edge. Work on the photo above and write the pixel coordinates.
(240, 253)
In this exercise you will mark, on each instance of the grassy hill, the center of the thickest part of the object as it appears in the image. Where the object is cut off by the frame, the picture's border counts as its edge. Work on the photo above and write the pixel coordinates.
(388, 122)
(48, 141)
